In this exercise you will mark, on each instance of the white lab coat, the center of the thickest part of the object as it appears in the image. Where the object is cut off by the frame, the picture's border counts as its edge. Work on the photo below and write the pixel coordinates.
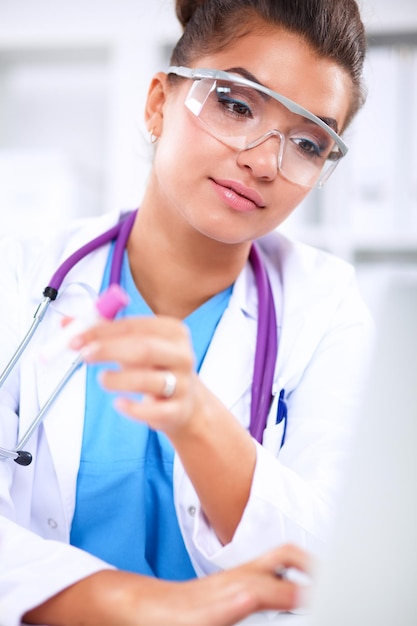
(324, 343)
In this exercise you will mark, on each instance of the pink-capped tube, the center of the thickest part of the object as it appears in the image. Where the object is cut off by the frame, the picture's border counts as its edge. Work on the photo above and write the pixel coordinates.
(111, 301)
(107, 305)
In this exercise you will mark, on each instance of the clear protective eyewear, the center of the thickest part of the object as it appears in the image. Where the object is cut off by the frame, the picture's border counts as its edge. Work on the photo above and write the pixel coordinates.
(242, 114)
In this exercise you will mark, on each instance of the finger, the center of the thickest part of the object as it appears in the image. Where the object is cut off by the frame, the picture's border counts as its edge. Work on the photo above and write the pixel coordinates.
(153, 382)
(131, 351)
(160, 414)
(277, 594)
(287, 556)
(233, 595)
(65, 321)
(265, 591)
(227, 610)
(162, 326)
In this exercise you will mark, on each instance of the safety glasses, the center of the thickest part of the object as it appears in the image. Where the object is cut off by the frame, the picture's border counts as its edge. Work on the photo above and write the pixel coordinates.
(243, 114)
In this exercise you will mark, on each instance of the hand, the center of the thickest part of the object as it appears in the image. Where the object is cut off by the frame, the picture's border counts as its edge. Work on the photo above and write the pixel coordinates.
(145, 349)
(114, 598)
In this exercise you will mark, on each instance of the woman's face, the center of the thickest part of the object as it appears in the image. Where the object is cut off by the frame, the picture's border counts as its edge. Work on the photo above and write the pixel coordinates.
(236, 196)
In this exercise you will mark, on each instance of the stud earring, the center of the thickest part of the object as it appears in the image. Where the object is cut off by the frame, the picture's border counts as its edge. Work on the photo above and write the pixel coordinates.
(153, 137)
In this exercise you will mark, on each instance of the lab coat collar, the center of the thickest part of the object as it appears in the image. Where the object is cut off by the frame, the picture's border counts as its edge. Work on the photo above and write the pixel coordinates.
(228, 377)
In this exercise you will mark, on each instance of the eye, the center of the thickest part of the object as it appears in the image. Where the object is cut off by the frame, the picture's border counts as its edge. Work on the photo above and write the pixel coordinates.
(310, 148)
(232, 105)
(307, 147)
(335, 155)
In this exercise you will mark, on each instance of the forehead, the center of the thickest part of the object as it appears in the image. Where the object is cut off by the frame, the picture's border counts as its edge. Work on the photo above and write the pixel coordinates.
(283, 62)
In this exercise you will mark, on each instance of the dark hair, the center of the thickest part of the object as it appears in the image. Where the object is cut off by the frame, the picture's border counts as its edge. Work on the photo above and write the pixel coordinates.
(333, 28)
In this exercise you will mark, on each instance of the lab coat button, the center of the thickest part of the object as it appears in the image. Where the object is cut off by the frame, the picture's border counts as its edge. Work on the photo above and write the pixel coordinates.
(52, 523)
(192, 510)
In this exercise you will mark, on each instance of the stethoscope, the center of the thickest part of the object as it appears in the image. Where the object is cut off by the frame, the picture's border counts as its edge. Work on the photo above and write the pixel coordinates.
(266, 339)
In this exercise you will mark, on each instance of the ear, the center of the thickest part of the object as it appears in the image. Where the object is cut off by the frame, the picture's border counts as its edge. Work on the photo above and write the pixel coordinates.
(154, 109)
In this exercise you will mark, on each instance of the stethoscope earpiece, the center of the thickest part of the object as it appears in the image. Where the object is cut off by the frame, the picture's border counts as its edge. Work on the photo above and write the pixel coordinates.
(23, 457)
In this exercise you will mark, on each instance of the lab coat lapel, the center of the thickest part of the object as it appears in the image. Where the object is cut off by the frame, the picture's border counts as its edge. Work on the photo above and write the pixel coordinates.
(63, 426)
(75, 297)
(228, 366)
(64, 421)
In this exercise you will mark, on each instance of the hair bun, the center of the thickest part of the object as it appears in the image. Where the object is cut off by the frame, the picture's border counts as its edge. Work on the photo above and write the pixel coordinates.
(185, 9)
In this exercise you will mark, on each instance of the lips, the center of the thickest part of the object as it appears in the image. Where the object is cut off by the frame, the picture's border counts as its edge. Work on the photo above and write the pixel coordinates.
(235, 187)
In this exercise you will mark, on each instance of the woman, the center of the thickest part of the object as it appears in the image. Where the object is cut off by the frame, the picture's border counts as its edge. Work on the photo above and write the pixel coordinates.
(247, 120)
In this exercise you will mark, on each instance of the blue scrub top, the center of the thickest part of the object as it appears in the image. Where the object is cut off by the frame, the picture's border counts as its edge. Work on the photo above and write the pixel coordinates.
(124, 509)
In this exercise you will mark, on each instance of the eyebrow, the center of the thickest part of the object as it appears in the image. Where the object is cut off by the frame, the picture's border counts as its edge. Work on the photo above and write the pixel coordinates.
(330, 121)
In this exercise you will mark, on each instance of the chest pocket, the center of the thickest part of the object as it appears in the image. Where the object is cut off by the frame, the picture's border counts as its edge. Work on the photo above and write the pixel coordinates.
(275, 432)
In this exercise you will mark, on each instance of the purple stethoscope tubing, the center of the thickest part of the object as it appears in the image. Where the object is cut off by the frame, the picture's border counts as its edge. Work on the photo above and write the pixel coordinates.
(266, 349)
(266, 340)
(120, 232)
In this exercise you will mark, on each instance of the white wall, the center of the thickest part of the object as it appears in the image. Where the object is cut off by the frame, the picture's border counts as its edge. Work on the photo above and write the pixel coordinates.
(73, 79)
(386, 15)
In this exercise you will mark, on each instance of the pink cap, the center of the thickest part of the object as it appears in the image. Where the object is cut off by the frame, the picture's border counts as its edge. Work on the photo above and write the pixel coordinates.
(112, 301)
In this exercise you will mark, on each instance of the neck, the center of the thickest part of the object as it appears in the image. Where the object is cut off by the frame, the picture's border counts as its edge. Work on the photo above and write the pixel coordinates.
(177, 269)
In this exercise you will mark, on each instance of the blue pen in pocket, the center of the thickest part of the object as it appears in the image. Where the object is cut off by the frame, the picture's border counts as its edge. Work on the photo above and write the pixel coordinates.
(282, 414)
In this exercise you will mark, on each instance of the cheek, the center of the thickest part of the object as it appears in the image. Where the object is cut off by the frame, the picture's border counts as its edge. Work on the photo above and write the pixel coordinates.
(180, 151)
(286, 199)
(295, 196)
(180, 131)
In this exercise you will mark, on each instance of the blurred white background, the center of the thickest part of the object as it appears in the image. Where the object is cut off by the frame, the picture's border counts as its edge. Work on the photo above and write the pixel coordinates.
(73, 81)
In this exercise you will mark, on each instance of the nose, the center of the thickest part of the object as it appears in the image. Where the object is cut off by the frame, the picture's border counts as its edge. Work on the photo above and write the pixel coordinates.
(262, 156)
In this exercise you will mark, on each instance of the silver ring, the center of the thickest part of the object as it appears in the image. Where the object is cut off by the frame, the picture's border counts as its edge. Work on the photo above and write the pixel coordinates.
(170, 385)
(282, 572)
